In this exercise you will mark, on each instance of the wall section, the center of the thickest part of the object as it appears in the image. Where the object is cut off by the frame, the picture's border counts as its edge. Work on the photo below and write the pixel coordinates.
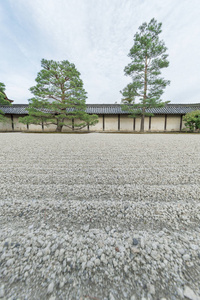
(17, 125)
(158, 123)
(126, 123)
(107, 123)
(6, 126)
(111, 122)
(173, 123)
(99, 125)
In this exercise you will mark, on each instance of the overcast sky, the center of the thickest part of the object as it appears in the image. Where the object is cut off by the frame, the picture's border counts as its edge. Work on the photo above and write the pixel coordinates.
(96, 35)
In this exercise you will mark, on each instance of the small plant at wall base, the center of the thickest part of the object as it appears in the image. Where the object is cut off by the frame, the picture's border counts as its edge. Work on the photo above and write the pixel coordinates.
(148, 57)
(59, 98)
(192, 120)
(3, 101)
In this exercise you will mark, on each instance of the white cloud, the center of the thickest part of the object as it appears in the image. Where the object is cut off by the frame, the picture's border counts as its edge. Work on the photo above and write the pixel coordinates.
(97, 36)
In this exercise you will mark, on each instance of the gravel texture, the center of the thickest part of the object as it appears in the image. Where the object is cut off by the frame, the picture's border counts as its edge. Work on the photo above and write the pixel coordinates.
(99, 216)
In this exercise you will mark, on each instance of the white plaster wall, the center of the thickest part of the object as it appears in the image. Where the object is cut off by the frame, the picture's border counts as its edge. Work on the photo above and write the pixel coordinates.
(126, 123)
(33, 127)
(137, 124)
(65, 128)
(173, 123)
(6, 126)
(49, 128)
(146, 123)
(98, 126)
(76, 121)
(158, 123)
(111, 122)
(17, 125)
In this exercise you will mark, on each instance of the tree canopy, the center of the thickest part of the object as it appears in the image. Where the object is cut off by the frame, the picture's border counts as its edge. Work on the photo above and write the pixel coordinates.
(3, 101)
(192, 120)
(59, 97)
(148, 56)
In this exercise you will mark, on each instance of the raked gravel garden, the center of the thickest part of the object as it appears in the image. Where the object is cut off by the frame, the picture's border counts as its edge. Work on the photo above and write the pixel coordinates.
(99, 216)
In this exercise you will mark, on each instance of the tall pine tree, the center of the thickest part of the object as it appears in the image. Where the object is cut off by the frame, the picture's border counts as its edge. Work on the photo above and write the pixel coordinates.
(148, 57)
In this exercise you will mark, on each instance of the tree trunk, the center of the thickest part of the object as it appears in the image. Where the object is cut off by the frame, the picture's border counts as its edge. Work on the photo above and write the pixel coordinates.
(59, 128)
(144, 97)
(142, 120)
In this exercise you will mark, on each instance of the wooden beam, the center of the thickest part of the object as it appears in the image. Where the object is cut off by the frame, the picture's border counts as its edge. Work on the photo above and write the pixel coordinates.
(12, 122)
(119, 122)
(103, 122)
(134, 124)
(165, 126)
(181, 120)
(149, 123)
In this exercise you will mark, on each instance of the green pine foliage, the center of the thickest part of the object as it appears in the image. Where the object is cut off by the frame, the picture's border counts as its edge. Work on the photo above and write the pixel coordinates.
(192, 120)
(148, 56)
(3, 101)
(36, 113)
(59, 97)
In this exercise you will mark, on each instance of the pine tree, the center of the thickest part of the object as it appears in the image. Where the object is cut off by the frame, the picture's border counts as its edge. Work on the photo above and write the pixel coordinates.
(3, 101)
(148, 57)
(59, 97)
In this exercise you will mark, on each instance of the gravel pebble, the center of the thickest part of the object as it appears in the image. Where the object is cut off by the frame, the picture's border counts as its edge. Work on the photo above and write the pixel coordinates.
(50, 288)
(188, 293)
(2, 292)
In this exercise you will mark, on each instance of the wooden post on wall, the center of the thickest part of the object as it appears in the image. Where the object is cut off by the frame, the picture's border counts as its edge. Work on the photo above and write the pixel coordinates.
(134, 124)
(149, 123)
(165, 126)
(12, 122)
(118, 122)
(181, 120)
(103, 122)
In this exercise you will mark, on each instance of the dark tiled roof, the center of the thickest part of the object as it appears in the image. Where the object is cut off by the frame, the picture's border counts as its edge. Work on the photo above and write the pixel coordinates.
(116, 109)
(15, 109)
(110, 109)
